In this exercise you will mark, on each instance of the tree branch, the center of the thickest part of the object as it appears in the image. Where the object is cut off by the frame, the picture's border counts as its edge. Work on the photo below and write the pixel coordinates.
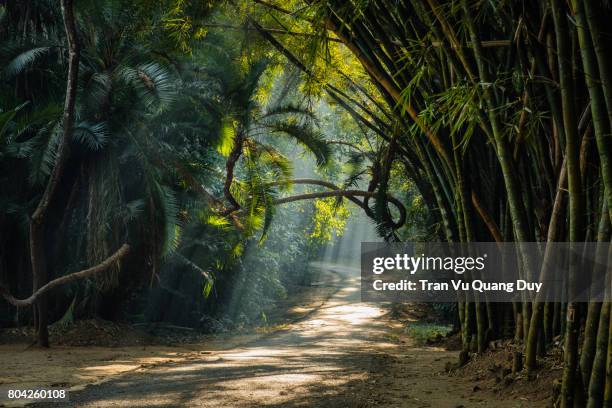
(68, 117)
(337, 192)
(102, 266)
(322, 183)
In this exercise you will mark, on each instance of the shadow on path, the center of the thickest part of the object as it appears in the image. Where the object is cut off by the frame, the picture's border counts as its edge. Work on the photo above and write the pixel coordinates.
(315, 363)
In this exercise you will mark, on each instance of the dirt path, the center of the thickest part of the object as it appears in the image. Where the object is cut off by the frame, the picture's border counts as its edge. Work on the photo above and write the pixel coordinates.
(342, 355)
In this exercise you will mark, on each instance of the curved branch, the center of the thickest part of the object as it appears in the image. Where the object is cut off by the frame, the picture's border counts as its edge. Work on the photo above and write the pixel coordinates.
(337, 192)
(322, 183)
(323, 194)
(102, 266)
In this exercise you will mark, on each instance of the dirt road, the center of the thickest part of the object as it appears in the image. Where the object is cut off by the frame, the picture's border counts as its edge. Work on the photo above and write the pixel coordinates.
(342, 355)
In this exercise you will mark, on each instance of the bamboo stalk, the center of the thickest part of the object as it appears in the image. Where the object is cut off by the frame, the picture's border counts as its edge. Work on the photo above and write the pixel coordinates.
(576, 200)
(601, 50)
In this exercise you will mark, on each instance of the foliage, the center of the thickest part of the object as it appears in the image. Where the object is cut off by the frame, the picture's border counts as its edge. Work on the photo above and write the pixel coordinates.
(160, 104)
(329, 220)
(425, 333)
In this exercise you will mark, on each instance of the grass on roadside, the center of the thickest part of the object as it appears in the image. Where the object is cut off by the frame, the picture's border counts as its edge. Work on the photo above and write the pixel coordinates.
(427, 333)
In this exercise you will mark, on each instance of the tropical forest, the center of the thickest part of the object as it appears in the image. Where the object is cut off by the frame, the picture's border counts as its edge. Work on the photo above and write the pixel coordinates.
(188, 189)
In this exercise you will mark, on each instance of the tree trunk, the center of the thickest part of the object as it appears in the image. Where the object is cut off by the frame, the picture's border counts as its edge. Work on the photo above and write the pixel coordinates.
(576, 206)
(598, 372)
(608, 386)
(38, 221)
(602, 55)
(553, 232)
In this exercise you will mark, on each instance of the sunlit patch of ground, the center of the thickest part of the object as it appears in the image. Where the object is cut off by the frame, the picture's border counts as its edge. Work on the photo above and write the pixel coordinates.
(65, 367)
(70, 368)
(343, 353)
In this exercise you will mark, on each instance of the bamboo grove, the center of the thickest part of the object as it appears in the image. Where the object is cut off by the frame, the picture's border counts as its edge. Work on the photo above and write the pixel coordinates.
(501, 113)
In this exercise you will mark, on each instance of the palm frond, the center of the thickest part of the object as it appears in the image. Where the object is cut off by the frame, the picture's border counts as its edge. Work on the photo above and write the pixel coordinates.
(152, 82)
(169, 209)
(7, 117)
(133, 209)
(312, 140)
(354, 168)
(279, 163)
(30, 123)
(96, 88)
(247, 88)
(227, 136)
(25, 60)
(289, 109)
(45, 153)
(93, 136)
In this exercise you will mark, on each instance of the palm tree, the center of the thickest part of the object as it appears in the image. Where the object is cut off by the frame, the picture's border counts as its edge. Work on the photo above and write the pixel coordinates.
(247, 129)
(121, 87)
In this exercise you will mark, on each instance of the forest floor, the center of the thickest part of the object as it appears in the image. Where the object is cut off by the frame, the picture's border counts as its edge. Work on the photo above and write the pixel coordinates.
(337, 353)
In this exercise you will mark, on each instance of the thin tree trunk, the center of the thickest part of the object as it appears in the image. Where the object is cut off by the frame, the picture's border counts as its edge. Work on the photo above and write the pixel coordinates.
(576, 200)
(384, 80)
(598, 372)
(38, 220)
(608, 387)
(504, 153)
(553, 232)
(602, 53)
(593, 329)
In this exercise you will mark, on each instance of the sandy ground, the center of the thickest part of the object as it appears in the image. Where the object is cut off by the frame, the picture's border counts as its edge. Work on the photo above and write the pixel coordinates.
(342, 354)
